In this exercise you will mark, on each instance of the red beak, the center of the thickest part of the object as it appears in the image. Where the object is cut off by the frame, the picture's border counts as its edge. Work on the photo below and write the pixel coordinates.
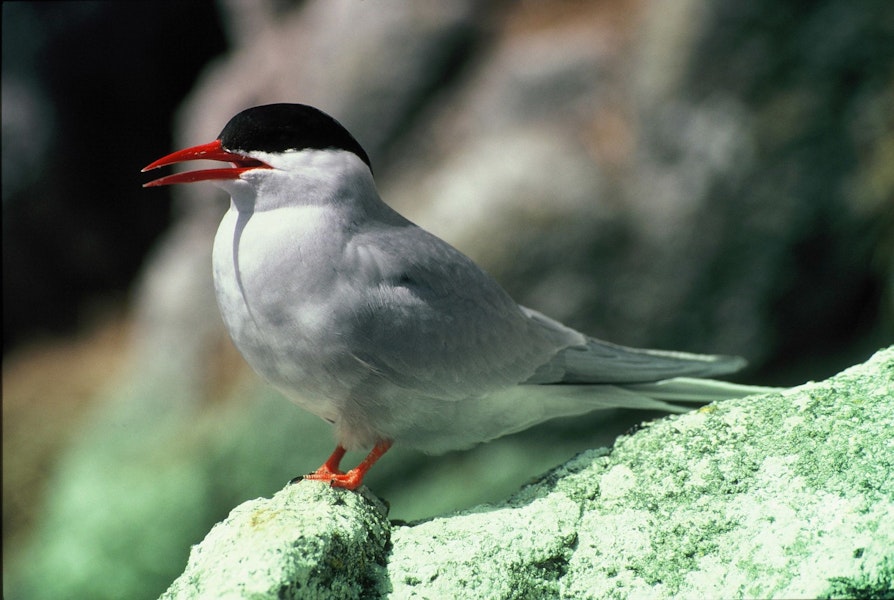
(210, 151)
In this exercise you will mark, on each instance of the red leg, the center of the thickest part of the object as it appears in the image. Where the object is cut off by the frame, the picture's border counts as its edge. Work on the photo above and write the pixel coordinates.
(353, 478)
(331, 464)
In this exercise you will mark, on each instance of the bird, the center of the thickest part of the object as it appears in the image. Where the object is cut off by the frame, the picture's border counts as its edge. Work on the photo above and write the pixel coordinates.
(384, 330)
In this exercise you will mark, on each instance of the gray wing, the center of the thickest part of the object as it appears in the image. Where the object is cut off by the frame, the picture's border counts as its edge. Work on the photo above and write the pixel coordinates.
(597, 361)
(429, 320)
(433, 322)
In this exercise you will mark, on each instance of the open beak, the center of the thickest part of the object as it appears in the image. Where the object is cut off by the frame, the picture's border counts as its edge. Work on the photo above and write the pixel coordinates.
(210, 151)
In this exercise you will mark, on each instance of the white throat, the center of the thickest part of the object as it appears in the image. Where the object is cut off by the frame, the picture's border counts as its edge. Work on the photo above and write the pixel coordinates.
(304, 178)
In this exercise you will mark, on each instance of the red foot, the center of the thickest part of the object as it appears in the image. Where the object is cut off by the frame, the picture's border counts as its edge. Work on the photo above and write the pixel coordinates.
(353, 478)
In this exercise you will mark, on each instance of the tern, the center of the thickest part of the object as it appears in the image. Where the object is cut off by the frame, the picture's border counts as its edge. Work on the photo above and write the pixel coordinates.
(383, 329)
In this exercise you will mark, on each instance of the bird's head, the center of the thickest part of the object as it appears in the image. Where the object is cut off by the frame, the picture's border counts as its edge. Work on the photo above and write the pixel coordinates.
(281, 137)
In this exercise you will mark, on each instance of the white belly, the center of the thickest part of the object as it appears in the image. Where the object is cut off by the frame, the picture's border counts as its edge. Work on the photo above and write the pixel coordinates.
(272, 276)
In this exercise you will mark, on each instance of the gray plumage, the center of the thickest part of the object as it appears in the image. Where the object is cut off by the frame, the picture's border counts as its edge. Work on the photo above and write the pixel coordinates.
(389, 332)
(385, 330)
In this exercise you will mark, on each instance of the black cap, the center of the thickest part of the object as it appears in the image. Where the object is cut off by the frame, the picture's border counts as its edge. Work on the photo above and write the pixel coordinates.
(281, 127)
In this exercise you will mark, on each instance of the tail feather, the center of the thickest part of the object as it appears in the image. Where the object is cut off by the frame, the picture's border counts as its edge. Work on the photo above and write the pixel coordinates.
(603, 362)
(702, 391)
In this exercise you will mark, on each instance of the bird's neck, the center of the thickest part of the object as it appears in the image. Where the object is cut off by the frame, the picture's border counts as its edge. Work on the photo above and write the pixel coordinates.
(349, 187)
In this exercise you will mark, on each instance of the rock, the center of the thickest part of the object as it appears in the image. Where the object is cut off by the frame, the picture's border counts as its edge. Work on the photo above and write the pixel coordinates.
(788, 494)
(308, 541)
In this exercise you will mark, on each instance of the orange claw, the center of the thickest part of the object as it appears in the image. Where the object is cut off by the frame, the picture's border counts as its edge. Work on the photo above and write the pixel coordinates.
(353, 478)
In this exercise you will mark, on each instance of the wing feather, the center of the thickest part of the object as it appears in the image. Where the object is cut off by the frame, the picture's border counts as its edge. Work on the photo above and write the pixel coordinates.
(431, 321)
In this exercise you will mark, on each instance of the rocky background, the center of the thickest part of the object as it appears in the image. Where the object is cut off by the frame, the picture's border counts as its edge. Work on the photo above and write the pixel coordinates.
(713, 177)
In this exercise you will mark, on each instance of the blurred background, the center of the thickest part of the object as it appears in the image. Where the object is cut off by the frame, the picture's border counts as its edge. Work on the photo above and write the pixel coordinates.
(703, 176)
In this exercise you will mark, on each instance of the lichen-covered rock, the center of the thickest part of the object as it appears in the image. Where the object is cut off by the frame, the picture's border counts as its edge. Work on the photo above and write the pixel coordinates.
(308, 541)
(783, 495)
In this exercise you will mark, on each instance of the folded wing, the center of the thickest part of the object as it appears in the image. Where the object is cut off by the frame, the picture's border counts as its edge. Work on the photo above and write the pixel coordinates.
(434, 323)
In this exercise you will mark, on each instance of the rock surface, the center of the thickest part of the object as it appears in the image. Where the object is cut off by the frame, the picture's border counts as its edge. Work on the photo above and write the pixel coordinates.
(307, 541)
(783, 495)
